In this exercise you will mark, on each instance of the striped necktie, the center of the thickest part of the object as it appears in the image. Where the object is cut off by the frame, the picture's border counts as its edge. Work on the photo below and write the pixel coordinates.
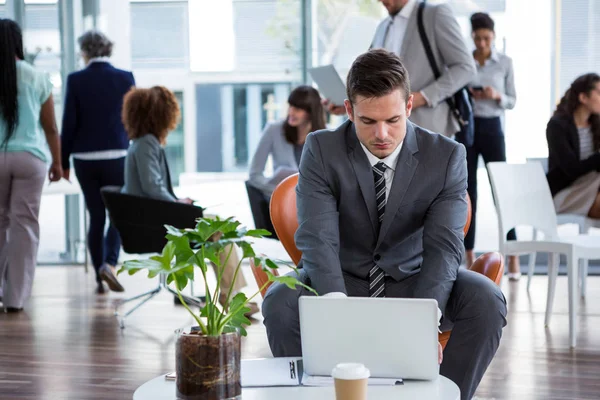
(376, 275)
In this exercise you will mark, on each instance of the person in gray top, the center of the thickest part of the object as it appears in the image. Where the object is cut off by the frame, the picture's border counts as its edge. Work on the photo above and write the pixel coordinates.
(493, 91)
(284, 140)
(149, 115)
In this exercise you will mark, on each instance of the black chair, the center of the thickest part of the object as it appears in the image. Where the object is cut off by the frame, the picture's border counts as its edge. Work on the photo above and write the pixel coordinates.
(259, 206)
(140, 222)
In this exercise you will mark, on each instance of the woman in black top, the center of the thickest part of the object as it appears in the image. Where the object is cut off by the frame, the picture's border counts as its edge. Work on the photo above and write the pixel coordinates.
(573, 135)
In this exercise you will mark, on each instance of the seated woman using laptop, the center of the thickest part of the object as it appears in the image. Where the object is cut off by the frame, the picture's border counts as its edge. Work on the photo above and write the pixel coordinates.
(573, 135)
(149, 115)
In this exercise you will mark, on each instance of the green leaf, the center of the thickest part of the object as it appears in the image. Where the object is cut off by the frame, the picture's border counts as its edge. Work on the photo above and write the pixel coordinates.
(247, 250)
(258, 233)
(290, 282)
(168, 253)
(270, 264)
(237, 309)
(207, 227)
(211, 252)
(181, 281)
(172, 231)
(152, 266)
(189, 272)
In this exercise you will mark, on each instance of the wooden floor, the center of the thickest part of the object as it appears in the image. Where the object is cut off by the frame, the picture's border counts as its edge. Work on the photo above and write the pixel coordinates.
(68, 345)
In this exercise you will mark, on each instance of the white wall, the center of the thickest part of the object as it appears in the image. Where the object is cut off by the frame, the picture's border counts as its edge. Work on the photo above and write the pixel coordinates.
(529, 40)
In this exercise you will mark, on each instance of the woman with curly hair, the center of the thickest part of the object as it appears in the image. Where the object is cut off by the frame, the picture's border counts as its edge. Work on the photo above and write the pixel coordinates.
(93, 134)
(573, 135)
(149, 115)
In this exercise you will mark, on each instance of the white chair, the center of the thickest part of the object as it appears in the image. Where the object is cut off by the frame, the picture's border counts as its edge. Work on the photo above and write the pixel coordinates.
(523, 199)
(583, 223)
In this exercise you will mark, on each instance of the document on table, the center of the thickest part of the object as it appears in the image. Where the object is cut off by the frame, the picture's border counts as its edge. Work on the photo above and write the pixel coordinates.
(264, 372)
(310, 380)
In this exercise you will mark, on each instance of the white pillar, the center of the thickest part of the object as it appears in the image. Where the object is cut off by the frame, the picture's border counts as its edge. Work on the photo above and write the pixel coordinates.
(282, 92)
(227, 131)
(254, 108)
(115, 22)
(189, 125)
(526, 124)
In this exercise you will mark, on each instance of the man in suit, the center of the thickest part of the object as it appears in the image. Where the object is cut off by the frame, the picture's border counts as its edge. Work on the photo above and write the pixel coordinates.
(399, 34)
(381, 210)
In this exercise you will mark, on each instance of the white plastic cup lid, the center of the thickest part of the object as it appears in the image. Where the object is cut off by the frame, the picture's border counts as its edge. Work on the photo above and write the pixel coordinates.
(350, 371)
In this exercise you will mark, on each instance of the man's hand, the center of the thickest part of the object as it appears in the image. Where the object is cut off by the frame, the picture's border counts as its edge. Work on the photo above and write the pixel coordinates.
(333, 108)
(187, 200)
(440, 353)
(418, 100)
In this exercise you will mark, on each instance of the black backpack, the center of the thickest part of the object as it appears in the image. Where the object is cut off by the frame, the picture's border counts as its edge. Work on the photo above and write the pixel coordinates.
(460, 103)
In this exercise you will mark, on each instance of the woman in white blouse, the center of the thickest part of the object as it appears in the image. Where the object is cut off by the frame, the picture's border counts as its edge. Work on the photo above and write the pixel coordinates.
(493, 92)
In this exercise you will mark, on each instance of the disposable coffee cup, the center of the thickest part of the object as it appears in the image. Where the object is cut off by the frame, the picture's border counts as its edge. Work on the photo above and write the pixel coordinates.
(350, 380)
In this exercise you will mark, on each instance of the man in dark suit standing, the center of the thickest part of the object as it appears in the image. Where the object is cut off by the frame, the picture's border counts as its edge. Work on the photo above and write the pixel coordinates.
(381, 208)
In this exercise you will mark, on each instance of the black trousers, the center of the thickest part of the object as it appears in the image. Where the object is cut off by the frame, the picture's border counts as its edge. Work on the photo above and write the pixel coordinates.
(92, 176)
(489, 143)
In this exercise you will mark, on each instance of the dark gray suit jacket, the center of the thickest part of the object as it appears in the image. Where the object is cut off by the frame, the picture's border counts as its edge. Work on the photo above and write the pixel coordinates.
(422, 230)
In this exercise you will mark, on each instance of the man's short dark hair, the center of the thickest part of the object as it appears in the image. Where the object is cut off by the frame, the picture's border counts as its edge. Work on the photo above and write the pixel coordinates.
(481, 20)
(376, 73)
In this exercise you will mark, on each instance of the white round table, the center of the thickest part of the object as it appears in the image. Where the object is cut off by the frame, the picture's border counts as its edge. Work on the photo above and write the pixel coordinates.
(441, 389)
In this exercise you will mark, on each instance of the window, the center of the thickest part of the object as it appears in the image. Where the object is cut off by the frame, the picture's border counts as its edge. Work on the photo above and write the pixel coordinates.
(344, 30)
(579, 30)
(267, 35)
(41, 40)
(159, 37)
(243, 80)
(468, 7)
(258, 38)
(230, 121)
(41, 36)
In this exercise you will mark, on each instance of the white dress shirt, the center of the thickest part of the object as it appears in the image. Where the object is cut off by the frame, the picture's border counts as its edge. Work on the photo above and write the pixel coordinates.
(390, 163)
(397, 29)
(497, 72)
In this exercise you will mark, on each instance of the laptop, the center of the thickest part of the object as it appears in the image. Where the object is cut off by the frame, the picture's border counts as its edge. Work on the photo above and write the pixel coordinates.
(393, 338)
(330, 84)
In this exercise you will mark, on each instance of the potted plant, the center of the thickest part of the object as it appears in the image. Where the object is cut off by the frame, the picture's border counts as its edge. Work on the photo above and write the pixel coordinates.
(208, 357)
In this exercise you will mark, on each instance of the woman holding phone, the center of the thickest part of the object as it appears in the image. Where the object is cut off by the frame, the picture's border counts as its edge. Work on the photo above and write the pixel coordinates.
(493, 92)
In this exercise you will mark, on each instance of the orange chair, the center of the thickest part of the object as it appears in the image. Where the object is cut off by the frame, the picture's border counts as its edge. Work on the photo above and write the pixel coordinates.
(285, 222)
